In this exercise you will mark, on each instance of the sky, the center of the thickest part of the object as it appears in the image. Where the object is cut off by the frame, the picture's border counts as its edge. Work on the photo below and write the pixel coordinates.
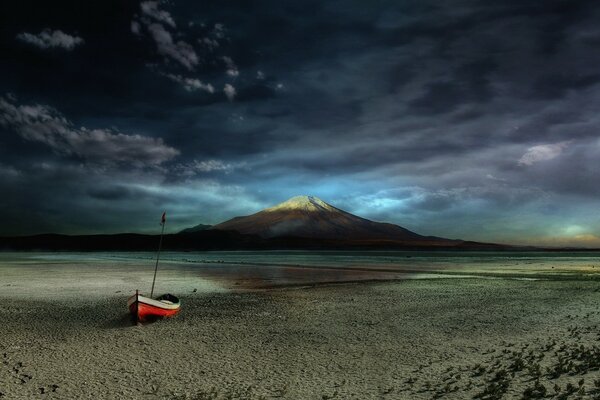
(463, 119)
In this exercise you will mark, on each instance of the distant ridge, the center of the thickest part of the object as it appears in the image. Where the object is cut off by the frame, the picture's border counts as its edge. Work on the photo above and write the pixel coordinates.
(226, 240)
(311, 217)
(197, 228)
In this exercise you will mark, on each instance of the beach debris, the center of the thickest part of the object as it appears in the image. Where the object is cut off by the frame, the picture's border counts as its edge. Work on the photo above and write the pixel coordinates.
(50, 389)
(537, 391)
(552, 368)
(25, 378)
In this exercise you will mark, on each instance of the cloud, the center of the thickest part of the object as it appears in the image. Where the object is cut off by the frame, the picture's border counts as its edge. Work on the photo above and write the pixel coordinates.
(160, 26)
(191, 84)
(179, 51)
(555, 86)
(203, 166)
(154, 20)
(229, 91)
(9, 172)
(135, 27)
(543, 152)
(150, 8)
(495, 178)
(110, 192)
(232, 69)
(218, 201)
(51, 39)
(211, 44)
(585, 240)
(39, 123)
(439, 97)
(219, 31)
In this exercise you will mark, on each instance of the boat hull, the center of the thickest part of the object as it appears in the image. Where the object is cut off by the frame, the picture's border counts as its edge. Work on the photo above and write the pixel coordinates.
(144, 309)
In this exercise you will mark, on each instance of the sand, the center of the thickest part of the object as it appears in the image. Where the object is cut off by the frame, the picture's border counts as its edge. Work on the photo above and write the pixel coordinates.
(458, 338)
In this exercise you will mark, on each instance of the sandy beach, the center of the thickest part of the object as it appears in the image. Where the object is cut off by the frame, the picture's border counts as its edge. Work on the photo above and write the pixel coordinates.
(68, 336)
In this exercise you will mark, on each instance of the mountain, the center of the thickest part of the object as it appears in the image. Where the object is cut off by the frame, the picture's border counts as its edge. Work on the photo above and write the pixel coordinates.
(311, 217)
(301, 223)
(197, 228)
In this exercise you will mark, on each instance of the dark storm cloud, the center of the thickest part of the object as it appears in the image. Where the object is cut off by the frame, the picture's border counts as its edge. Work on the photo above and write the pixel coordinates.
(470, 83)
(558, 85)
(448, 117)
(38, 123)
(110, 193)
(439, 97)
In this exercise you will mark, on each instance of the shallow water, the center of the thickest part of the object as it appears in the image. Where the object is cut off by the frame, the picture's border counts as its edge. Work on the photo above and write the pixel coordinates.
(309, 257)
(263, 269)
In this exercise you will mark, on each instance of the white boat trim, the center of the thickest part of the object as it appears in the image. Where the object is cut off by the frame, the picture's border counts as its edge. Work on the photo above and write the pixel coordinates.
(151, 302)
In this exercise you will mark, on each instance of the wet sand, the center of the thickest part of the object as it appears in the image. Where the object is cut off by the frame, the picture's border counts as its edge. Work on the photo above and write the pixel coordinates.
(69, 336)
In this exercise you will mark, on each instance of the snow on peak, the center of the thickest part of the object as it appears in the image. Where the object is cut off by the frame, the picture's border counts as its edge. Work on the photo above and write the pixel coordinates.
(305, 203)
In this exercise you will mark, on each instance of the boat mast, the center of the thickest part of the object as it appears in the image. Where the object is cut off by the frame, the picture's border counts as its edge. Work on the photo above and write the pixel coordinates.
(163, 221)
(136, 318)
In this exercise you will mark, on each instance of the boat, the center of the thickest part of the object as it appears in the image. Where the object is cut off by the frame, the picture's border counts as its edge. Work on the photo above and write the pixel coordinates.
(145, 309)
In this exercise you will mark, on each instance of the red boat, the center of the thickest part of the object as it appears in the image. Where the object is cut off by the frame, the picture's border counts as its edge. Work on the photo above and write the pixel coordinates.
(144, 309)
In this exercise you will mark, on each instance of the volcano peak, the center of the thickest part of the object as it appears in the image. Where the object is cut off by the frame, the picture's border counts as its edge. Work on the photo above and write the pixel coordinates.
(311, 217)
(302, 203)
